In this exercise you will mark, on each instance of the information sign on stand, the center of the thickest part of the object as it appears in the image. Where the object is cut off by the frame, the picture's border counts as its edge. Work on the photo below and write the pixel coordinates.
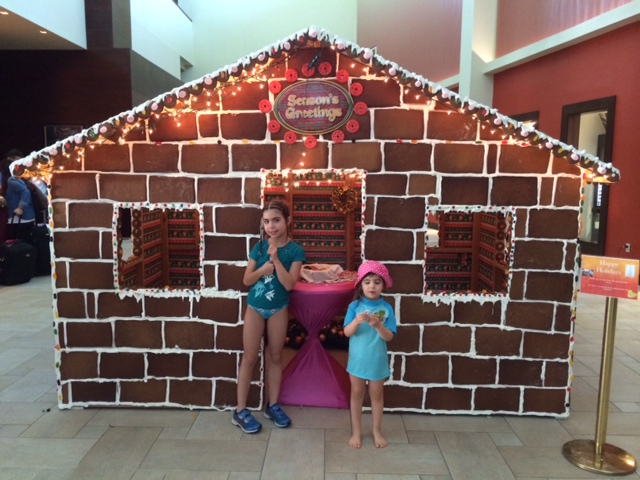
(613, 278)
(609, 277)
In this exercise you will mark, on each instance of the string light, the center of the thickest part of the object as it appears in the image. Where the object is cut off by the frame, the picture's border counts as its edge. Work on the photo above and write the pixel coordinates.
(226, 80)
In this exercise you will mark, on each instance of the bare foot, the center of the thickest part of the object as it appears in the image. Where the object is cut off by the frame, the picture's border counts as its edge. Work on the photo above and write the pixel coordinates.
(355, 441)
(379, 441)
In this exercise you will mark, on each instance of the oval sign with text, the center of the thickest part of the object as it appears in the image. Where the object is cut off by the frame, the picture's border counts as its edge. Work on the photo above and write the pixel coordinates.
(313, 107)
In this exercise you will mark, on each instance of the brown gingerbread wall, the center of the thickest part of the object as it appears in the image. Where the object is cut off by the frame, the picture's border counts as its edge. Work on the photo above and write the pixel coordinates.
(473, 354)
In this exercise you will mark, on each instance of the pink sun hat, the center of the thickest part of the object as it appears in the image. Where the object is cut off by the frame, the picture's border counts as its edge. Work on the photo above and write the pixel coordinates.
(379, 269)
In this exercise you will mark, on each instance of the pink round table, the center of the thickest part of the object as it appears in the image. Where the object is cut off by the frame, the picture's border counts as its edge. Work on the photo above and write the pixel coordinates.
(313, 377)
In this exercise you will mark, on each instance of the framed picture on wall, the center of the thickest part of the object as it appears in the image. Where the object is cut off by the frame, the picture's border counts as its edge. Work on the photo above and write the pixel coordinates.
(54, 133)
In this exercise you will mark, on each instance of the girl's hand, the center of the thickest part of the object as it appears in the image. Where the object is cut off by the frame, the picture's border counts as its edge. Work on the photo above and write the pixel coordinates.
(272, 251)
(267, 269)
(361, 318)
(18, 211)
(374, 321)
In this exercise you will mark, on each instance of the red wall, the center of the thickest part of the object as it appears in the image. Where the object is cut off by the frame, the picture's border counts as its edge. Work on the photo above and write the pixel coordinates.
(608, 65)
(527, 21)
(412, 35)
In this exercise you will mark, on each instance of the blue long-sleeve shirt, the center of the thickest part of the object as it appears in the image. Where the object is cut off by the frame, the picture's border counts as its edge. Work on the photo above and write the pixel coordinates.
(18, 195)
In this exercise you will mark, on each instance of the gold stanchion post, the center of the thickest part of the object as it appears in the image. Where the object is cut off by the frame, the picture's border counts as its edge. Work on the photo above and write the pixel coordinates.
(596, 455)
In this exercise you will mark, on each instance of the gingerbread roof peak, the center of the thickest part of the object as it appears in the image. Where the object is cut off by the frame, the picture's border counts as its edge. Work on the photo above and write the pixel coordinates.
(253, 67)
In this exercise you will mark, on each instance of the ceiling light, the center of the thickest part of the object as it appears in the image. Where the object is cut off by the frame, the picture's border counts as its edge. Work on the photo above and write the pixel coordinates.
(44, 32)
(4, 12)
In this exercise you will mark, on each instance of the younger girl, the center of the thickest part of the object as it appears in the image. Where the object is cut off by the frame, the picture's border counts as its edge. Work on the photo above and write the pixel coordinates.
(369, 324)
(273, 269)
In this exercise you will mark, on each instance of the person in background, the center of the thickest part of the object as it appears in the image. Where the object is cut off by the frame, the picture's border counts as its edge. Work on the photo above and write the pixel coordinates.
(3, 214)
(369, 323)
(273, 270)
(20, 212)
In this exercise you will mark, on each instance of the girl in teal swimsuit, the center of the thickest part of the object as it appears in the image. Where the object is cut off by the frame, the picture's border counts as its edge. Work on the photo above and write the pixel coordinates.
(273, 269)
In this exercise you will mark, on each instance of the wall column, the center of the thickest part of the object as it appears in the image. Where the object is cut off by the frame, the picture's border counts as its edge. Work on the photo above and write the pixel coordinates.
(477, 47)
(108, 23)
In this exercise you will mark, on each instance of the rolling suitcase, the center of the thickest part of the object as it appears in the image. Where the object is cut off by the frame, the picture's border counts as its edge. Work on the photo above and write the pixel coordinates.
(17, 261)
(42, 242)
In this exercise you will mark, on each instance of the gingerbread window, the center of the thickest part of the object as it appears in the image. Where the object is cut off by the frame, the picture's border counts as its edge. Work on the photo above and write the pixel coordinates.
(158, 247)
(468, 251)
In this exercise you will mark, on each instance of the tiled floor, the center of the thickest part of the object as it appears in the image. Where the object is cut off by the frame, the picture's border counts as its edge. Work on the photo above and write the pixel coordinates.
(39, 441)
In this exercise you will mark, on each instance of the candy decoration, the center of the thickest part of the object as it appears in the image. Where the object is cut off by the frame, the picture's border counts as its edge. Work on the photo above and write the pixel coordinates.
(265, 106)
(342, 76)
(169, 101)
(291, 75)
(105, 130)
(308, 72)
(18, 170)
(275, 87)
(337, 136)
(91, 135)
(274, 126)
(145, 112)
(290, 138)
(360, 108)
(310, 141)
(356, 89)
(353, 126)
(325, 68)
(209, 83)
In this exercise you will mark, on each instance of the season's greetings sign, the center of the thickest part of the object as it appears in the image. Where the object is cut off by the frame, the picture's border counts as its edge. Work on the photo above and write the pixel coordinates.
(313, 107)
(610, 277)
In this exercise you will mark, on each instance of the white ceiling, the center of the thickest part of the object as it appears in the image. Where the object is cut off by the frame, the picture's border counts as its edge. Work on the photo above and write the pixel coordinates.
(18, 33)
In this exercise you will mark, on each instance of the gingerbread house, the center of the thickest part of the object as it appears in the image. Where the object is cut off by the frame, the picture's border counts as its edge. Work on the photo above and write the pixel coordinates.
(476, 216)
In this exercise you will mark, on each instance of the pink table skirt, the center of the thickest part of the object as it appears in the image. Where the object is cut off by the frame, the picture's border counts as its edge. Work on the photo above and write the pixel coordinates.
(313, 377)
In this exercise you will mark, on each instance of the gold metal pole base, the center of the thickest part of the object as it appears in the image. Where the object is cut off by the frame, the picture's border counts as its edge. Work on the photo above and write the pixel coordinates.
(614, 461)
